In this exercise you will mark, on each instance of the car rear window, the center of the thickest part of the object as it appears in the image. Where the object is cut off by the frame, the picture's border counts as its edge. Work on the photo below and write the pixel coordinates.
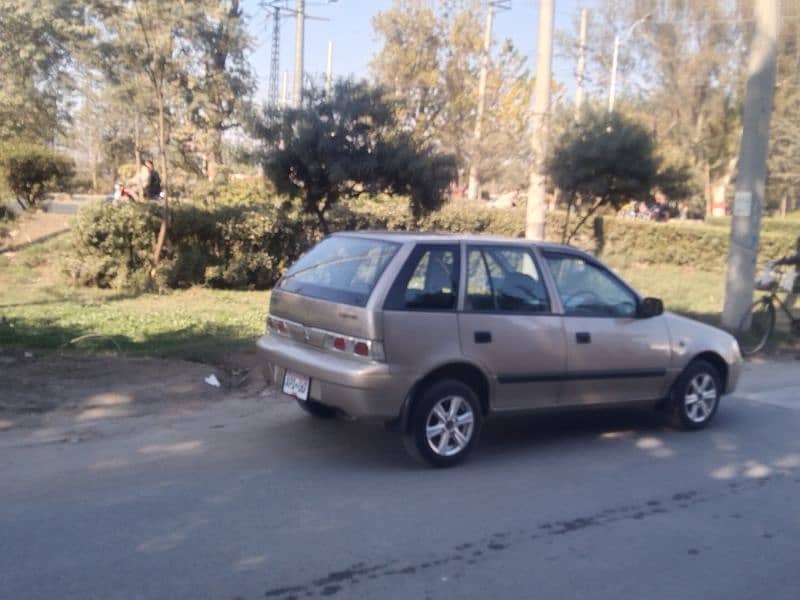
(340, 269)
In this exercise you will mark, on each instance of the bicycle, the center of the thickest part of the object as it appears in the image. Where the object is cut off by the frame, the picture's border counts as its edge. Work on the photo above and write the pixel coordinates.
(758, 323)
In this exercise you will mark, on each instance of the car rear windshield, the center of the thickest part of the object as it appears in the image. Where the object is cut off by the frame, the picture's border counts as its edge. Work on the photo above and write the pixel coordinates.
(340, 269)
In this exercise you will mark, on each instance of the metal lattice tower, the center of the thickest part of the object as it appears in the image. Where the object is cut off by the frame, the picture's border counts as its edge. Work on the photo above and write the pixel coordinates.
(275, 56)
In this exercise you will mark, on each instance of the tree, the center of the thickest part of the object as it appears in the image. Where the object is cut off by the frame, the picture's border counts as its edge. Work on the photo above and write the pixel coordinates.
(148, 40)
(218, 83)
(429, 63)
(680, 73)
(606, 159)
(337, 147)
(38, 42)
(784, 153)
(30, 171)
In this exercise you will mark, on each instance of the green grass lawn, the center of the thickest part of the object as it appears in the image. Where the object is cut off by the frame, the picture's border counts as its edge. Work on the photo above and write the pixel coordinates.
(39, 309)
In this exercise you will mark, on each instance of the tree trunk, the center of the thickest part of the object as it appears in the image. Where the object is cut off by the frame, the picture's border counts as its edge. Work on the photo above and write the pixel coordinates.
(784, 203)
(707, 193)
(137, 153)
(213, 154)
(162, 231)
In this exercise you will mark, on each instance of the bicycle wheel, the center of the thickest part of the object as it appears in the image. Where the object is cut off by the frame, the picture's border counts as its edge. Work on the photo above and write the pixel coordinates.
(756, 326)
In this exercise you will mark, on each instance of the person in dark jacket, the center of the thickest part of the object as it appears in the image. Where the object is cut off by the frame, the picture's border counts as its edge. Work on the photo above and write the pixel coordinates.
(152, 189)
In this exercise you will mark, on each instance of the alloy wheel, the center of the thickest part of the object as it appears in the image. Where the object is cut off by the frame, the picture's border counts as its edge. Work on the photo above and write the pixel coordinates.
(449, 426)
(700, 398)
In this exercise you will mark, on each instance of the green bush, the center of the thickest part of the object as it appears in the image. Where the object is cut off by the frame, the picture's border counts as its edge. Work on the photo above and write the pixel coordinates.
(111, 246)
(220, 243)
(235, 193)
(30, 171)
(226, 246)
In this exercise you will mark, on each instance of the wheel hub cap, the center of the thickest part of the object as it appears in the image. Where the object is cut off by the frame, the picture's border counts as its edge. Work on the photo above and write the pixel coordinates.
(700, 398)
(449, 426)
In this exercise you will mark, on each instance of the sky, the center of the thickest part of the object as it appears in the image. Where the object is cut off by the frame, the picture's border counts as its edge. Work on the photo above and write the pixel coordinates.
(354, 42)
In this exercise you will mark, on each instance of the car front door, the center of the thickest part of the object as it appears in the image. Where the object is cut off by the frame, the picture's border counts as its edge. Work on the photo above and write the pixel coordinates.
(506, 324)
(612, 354)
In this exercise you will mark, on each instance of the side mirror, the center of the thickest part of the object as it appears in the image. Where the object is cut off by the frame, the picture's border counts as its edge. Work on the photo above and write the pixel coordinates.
(650, 307)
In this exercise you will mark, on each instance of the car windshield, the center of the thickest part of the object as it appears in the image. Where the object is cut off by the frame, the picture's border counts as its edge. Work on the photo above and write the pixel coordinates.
(340, 269)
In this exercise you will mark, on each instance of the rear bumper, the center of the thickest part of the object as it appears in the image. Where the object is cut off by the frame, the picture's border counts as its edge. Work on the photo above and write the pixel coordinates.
(364, 390)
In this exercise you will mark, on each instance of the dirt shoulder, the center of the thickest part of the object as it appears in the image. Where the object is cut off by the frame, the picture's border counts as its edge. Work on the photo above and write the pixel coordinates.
(34, 388)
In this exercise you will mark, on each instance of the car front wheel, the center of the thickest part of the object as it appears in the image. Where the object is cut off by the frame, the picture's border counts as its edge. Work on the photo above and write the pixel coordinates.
(696, 395)
(444, 424)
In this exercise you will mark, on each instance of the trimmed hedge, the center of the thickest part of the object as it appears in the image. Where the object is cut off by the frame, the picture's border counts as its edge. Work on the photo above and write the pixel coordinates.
(249, 244)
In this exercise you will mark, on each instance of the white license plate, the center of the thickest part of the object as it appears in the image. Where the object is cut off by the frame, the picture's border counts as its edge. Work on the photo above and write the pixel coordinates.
(296, 385)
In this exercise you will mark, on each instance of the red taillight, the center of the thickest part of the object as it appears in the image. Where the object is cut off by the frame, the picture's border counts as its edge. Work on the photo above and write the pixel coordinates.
(339, 344)
(361, 349)
(281, 326)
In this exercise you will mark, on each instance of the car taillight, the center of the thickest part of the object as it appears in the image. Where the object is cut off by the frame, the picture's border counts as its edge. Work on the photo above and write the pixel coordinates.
(362, 348)
(276, 325)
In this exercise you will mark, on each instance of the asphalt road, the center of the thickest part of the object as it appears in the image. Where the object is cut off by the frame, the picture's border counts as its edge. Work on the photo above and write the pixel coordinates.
(254, 499)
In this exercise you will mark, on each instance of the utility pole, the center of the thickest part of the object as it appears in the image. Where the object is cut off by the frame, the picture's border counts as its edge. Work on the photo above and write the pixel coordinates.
(752, 174)
(329, 71)
(537, 192)
(299, 50)
(581, 65)
(285, 89)
(275, 56)
(473, 186)
(612, 87)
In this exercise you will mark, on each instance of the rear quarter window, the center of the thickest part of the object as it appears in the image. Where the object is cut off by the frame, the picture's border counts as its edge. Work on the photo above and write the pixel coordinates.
(340, 269)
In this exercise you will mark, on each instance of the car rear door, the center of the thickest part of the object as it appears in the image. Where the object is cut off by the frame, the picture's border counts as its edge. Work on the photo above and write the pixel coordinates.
(506, 325)
(612, 355)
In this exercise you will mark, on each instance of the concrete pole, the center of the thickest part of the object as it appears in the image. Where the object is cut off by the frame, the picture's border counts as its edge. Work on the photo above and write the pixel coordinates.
(299, 49)
(329, 71)
(581, 65)
(612, 87)
(285, 89)
(752, 176)
(473, 184)
(537, 193)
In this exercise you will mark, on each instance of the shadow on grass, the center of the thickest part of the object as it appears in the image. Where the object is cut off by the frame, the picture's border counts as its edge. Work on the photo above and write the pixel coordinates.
(58, 296)
(37, 241)
(200, 343)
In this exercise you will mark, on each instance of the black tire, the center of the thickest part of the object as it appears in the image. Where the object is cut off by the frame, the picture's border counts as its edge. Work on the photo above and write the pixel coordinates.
(691, 409)
(444, 394)
(316, 409)
(756, 326)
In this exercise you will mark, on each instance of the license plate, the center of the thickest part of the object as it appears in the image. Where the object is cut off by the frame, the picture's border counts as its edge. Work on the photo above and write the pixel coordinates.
(296, 385)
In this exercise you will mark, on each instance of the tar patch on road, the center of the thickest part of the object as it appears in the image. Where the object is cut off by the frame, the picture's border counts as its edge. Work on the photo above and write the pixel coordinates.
(471, 553)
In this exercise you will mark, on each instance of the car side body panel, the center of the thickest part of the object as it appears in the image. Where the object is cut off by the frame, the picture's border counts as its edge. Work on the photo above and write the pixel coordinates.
(690, 339)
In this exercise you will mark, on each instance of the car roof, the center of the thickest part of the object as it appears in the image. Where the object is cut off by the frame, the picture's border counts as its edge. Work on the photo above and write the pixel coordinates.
(403, 237)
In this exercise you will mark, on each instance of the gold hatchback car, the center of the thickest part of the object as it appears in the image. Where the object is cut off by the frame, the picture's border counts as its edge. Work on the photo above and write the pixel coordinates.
(433, 333)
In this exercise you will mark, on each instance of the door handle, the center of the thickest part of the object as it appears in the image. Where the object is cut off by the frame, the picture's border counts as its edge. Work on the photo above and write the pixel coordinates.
(583, 337)
(483, 337)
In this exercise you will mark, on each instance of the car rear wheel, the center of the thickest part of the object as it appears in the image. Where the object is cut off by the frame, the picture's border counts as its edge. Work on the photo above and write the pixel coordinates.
(696, 395)
(445, 423)
(315, 409)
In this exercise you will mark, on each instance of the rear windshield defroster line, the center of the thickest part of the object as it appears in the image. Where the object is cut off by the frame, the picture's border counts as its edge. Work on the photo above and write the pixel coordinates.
(340, 269)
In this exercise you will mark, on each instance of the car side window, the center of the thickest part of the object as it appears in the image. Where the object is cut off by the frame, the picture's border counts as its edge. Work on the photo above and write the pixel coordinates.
(587, 290)
(428, 280)
(504, 279)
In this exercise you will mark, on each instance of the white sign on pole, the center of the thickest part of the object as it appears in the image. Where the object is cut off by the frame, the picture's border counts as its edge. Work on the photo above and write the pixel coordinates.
(743, 204)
